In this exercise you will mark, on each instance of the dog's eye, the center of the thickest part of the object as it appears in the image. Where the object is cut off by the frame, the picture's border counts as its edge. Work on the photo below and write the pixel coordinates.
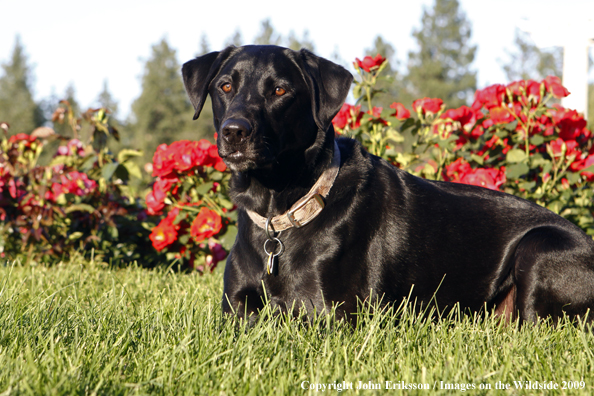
(279, 91)
(226, 88)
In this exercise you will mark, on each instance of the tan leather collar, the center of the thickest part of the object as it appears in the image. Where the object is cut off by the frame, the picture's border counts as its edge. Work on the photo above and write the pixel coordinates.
(308, 207)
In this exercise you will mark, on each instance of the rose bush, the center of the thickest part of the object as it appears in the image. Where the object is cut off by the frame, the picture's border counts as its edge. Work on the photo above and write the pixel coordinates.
(513, 138)
(190, 190)
(79, 201)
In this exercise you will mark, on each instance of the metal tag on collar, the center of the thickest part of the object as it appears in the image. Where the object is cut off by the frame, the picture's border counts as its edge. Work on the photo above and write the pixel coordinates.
(273, 255)
(291, 213)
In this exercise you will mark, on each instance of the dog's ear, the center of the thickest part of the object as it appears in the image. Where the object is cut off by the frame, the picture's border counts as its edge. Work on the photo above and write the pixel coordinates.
(329, 85)
(198, 74)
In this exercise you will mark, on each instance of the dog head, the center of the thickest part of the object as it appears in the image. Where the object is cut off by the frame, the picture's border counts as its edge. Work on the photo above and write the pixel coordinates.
(267, 101)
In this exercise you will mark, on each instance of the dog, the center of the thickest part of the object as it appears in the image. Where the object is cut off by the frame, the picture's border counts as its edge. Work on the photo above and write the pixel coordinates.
(321, 221)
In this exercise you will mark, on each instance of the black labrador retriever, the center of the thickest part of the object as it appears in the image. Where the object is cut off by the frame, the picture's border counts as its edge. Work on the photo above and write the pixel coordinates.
(322, 221)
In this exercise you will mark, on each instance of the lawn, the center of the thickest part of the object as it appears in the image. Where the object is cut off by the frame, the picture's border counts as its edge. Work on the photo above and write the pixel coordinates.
(84, 328)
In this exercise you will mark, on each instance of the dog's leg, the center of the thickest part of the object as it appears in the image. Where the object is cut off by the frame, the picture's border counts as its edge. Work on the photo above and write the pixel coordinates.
(553, 274)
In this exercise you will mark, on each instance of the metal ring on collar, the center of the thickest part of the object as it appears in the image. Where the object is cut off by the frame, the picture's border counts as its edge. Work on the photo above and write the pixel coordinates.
(280, 243)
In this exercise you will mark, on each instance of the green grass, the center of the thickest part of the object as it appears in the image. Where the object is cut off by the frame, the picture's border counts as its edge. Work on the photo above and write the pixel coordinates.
(82, 328)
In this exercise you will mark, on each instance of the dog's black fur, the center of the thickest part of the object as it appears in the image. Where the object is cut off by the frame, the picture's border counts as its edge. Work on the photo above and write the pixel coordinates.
(382, 230)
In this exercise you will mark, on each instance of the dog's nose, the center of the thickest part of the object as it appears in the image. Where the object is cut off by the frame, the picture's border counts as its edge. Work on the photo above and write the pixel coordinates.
(236, 131)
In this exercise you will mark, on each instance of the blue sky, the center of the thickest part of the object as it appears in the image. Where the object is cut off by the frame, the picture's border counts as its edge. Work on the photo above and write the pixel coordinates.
(85, 43)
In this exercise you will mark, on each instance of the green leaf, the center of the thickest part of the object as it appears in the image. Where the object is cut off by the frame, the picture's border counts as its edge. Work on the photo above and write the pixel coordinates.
(527, 185)
(184, 239)
(555, 206)
(204, 188)
(538, 160)
(60, 160)
(216, 176)
(547, 167)
(75, 235)
(80, 208)
(478, 159)
(394, 136)
(225, 203)
(88, 163)
(516, 171)
(501, 133)
(573, 177)
(537, 140)
(125, 154)
(122, 173)
(585, 220)
(228, 239)
(408, 123)
(113, 231)
(108, 170)
(445, 143)
(515, 156)
(133, 169)
(357, 91)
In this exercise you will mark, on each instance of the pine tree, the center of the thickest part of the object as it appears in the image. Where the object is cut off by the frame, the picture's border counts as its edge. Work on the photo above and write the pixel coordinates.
(162, 112)
(235, 39)
(296, 43)
(267, 35)
(204, 45)
(17, 106)
(530, 62)
(442, 66)
(106, 100)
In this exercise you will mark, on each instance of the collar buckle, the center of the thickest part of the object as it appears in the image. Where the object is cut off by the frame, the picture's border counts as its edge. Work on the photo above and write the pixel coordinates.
(307, 209)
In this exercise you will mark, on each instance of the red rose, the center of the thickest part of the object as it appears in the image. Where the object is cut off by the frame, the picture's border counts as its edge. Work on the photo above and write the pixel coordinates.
(492, 96)
(460, 171)
(500, 115)
(525, 88)
(368, 63)
(589, 161)
(206, 224)
(342, 118)
(22, 137)
(12, 189)
(554, 86)
(557, 147)
(185, 155)
(163, 163)
(165, 233)
(376, 112)
(155, 200)
(220, 165)
(456, 169)
(400, 112)
(466, 116)
(427, 105)
(212, 156)
(154, 203)
(218, 253)
(76, 183)
(489, 178)
(348, 115)
(533, 89)
(572, 126)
